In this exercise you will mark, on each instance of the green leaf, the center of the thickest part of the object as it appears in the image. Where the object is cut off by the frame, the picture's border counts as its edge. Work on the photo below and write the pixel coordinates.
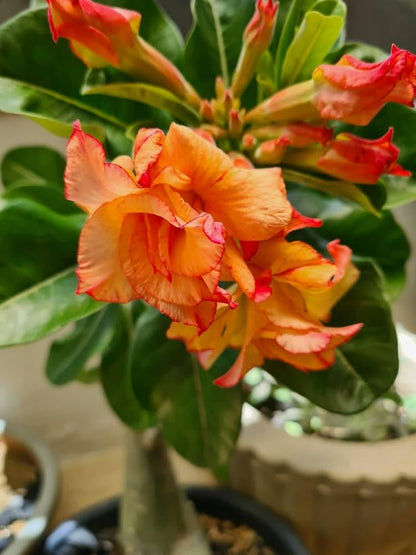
(69, 356)
(149, 347)
(33, 165)
(287, 22)
(35, 243)
(370, 198)
(200, 420)
(156, 27)
(148, 94)
(362, 232)
(400, 190)
(43, 309)
(46, 195)
(41, 80)
(365, 52)
(366, 366)
(313, 40)
(214, 44)
(265, 76)
(379, 238)
(116, 375)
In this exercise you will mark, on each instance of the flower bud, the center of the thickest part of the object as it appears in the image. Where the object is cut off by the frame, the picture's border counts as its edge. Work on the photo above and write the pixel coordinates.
(351, 158)
(270, 153)
(249, 141)
(293, 103)
(351, 91)
(354, 91)
(235, 123)
(101, 35)
(207, 111)
(256, 40)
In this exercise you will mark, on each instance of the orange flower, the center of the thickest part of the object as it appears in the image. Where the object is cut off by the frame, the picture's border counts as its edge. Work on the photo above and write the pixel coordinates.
(351, 158)
(354, 91)
(286, 325)
(158, 224)
(351, 91)
(250, 203)
(102, 35)
(142, 243)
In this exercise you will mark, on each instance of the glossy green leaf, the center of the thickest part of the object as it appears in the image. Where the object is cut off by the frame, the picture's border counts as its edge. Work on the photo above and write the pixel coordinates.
(54, 112)
(400, 190)
(35, 243)
(156, 27)
(116, 376)
(265, 76)
(46, 195)
(214, 44)
(287, 22)
(370, 198)
(377, 237)
(148, 94)
(313, 40)
(70, 356)
(43, 309)
(33, 165)
(41, 80)
(365, 52)
(366, 366)
(150, 350)
(200, 420)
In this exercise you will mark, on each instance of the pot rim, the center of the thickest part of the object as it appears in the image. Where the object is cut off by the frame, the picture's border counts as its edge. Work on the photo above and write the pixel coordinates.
(36, 525)
(380, 463)
(215, 501)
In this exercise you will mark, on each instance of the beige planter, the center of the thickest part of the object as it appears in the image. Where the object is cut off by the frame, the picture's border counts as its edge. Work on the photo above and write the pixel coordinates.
(343, 498)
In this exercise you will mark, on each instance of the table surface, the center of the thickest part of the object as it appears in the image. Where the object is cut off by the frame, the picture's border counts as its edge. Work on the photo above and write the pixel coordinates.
(82, 485)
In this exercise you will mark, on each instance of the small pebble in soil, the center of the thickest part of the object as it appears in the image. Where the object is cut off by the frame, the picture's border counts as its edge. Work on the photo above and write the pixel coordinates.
(227, 538)
(224, 537)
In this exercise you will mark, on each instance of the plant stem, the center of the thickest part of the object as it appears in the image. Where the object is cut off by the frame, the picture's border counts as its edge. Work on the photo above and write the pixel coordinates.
(155, 518)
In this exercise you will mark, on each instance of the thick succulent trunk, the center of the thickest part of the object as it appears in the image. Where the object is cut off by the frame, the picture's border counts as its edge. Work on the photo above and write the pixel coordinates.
(156, 518)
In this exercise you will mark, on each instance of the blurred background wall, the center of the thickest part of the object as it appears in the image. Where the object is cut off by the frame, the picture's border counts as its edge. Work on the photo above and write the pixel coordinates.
(75, 418)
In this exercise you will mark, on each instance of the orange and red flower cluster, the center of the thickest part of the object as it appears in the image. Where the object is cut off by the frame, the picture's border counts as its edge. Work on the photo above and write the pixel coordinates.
(202, 235)
(180, 217)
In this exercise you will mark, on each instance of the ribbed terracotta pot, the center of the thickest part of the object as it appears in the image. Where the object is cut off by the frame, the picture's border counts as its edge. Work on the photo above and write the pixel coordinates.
(343, 498)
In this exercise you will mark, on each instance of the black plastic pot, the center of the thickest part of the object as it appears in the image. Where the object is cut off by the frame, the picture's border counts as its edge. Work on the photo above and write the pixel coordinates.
(219, 502)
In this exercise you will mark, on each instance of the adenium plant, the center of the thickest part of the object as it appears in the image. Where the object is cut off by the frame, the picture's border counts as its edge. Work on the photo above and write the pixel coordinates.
(232, 200)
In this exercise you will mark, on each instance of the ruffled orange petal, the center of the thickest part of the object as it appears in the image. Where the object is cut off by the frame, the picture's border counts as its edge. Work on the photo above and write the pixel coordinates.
(100, 271)
(195, 157)
(298, 221)
(295, 262)
(148, 280)
(310, 342)
(147, 149)
(320, 303)
(311, 351)
(251, 203)
(248, 357)
(89, 180)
